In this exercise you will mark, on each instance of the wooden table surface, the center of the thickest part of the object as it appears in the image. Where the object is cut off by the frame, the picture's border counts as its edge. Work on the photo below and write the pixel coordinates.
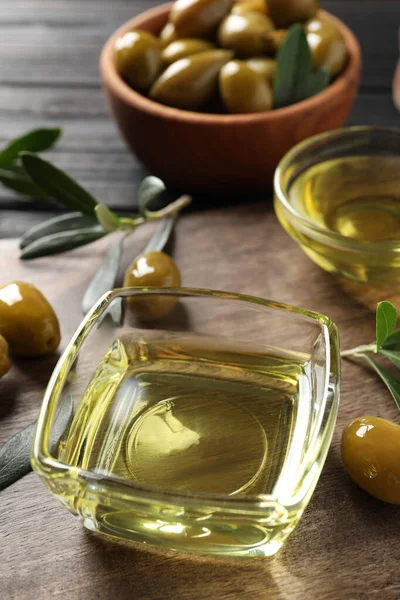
(347, 544)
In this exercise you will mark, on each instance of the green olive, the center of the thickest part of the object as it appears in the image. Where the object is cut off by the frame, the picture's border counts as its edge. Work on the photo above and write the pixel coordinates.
(27, 321)
(327, 45)
(241, 8)
(190, 82)
(153, 269)
(264, 66)
(197, 18)
(273, 40)
(167, 35)
(182, 48)
(243, 89)
(370, 452)
(244, 33)
(5, 363)
(286, 12)
(138, 58)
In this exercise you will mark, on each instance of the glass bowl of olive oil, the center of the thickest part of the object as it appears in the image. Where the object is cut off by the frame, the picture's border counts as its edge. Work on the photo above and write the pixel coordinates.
(338, 195)
(204, 431)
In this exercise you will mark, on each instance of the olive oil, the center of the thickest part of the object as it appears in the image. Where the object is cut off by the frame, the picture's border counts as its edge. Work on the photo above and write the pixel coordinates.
(190, 416)
(186, 417)
(356, 201)
(356, 196)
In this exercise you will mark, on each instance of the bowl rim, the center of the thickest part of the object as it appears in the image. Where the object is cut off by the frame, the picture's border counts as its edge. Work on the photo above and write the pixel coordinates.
(45, 464)
(305, 225)
(114, 82)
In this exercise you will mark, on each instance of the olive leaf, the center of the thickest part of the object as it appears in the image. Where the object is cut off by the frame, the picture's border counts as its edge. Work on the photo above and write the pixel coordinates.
(17, 180)
(150, 189)
(68, 222)
(36, 140)
(62, 241)
(315, 82)
(295, 79)
(15, 454)
(161, 237)
(393, 356)
(386, 319)
(107, 219)
(105, 278)
(391, 382)
(393, 340)
(57, 184)
(387, 344)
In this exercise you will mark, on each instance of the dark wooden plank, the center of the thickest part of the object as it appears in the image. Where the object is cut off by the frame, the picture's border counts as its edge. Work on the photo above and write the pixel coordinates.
(54, 42)
(346, 546)
(376, 26)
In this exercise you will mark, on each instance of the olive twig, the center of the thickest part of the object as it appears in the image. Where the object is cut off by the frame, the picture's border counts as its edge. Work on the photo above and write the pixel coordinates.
(387, 345)
(358, 350)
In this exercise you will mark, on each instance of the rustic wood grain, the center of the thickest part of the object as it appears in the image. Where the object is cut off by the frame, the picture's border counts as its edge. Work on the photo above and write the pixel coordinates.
(346, 546)
(49, 76)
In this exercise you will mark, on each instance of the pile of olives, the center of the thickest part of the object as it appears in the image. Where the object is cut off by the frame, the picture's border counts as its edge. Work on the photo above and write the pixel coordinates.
(28, 325)
(219, 55)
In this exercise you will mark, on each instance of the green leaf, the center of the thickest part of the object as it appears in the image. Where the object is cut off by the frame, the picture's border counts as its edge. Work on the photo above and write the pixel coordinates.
(393, 356)
(105, 277)
(150, 188)
(315, 82)
(107, 219)
(386, 319)
(392, 384)
(18, 181)
(62, 241)
(15, 454)
(293, 64)
(67, 222)
(33, 141)
(161, 237)
(58, 184)
(393, 340)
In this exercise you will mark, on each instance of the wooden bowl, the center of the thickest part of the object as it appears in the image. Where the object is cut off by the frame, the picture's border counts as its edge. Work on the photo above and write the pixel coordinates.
(199, 152)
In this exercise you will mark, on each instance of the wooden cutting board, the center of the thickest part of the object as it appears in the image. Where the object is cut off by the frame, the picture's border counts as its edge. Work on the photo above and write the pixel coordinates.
(347, 544)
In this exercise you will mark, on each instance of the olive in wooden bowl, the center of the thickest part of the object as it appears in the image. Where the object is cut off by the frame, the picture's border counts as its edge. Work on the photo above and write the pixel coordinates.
(206, 151)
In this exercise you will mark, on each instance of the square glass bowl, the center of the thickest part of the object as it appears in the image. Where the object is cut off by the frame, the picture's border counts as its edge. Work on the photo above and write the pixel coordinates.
(338, 195)
(203, 431)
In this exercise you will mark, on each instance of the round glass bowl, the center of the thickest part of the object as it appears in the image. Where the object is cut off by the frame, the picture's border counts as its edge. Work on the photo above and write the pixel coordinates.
(338, 195)
(204, 431)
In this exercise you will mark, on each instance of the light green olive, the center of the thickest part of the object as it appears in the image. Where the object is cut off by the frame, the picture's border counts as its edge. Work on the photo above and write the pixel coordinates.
(370, 452)
(182, 48)
(167, 35)
(241, 8)
(265, 66)
(138, 58)
(5, 363)
(27, 321)
(273, 40)
(190, 82)
(327, 45)
(153, 269)
(245, 33)
(197, 18)
(286, 12)
(243, 90)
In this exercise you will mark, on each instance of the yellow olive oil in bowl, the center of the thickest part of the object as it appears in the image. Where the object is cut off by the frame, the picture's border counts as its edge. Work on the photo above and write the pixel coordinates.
(338, 195)
(187, 416)
(204, 431)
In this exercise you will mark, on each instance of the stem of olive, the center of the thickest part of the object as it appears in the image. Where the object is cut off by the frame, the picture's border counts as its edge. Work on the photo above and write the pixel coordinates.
(359, 350)
(171, 209)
